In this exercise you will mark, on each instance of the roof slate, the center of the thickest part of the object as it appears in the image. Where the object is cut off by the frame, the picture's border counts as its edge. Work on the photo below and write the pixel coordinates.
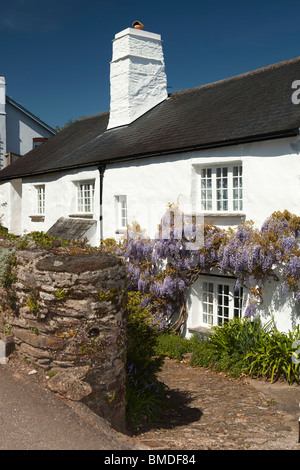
(70, 229)
(249, 107)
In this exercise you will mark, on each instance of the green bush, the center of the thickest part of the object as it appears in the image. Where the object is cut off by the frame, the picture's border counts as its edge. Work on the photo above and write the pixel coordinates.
(228, 346)
(172, 346)
(144, 391)
(272, 357)
(248, 347)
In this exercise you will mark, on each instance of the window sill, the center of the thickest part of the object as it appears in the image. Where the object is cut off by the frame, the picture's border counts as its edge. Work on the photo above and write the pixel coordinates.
(223, 214)
(82, 216)
(201, 329)
(37, 218)
(121, 231)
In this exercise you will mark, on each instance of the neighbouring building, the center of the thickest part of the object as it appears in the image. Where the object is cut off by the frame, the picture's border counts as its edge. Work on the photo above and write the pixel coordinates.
(228, 150)
(20, 130)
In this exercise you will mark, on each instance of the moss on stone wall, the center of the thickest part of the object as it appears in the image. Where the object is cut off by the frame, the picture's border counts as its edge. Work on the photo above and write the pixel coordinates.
(63, 304)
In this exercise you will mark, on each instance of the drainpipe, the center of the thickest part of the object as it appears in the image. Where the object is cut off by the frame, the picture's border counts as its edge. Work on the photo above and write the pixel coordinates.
(101, 169)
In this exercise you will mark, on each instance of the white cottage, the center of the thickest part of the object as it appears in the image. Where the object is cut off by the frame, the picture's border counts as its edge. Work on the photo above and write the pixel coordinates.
(20, 130)
(228, 150)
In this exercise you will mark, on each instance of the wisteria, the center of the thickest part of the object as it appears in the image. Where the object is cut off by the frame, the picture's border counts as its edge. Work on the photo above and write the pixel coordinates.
(163, 268)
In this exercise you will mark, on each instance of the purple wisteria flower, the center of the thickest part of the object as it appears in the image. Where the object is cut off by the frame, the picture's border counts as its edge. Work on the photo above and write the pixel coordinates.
(163, 268)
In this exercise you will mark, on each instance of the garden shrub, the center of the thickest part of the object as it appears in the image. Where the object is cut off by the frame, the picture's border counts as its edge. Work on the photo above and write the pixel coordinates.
(173, 346)
(272, 357)
(144, 391)
(228, 345)
(248, 347)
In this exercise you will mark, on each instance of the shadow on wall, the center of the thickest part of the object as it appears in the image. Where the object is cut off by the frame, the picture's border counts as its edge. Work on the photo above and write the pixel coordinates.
(279, 306)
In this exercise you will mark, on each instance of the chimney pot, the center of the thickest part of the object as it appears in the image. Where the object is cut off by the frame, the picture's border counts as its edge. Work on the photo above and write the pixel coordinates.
(138, 25)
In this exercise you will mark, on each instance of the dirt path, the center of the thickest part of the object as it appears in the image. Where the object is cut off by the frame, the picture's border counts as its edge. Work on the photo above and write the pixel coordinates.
(209, 411)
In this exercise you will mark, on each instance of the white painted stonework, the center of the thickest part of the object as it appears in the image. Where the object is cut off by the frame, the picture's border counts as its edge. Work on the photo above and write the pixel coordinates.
(140, 190)
(271, 172)
(60, 201)
(137, 75)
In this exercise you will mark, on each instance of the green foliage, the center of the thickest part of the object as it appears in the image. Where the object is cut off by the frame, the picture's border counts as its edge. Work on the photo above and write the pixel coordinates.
(228, 345)
(248, 347)
(34, 330)
(64, 126)
(144, 392)
(142, 337)
(173, 346)
(45, 240)
(272, 357)
(106, 296)
(91, 347)
(110, 245)
(7, 261)
(33, 304)
(4, 233)
(144, 401)
(60, 294)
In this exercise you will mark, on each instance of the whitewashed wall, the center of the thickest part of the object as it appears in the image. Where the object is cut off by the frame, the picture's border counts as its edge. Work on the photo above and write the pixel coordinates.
(19, 213)
(282, 309)
(271, 181)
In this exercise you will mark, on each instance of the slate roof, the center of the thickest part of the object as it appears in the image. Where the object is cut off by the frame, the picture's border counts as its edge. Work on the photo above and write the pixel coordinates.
(70, 229)
(253, 106)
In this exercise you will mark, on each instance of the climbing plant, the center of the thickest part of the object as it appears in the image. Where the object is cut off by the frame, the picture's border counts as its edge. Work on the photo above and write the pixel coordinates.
(164, 267)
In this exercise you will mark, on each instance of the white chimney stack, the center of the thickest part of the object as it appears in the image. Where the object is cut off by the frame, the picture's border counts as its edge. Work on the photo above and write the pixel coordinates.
(138, 79)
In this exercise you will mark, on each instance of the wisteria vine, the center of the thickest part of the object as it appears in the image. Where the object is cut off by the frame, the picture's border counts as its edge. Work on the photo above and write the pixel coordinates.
(162, 269)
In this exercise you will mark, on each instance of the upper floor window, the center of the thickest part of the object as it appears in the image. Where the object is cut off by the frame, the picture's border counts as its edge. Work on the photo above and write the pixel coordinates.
(222, 188)
(85, 197)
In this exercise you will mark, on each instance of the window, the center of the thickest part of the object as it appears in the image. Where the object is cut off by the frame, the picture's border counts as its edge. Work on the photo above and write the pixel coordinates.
(237, 182)
(121, 213)
(222, 188)
(206, 189)
(220, 302)
(36, 141)
(40, 199)
(85, 197)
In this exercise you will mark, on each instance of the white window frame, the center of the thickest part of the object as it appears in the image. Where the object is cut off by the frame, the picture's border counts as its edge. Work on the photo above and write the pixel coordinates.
(40, 199)
(85, 197)
(121, 213)
(219, 301)
(221, 188)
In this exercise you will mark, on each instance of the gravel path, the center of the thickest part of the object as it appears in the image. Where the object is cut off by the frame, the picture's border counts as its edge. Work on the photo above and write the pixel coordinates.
(209, 411)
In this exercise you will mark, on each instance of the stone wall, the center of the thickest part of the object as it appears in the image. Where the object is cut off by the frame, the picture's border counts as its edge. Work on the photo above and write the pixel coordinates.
(64, 311)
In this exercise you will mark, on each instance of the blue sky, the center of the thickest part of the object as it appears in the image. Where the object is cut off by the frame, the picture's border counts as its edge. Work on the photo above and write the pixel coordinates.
(55, 54)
